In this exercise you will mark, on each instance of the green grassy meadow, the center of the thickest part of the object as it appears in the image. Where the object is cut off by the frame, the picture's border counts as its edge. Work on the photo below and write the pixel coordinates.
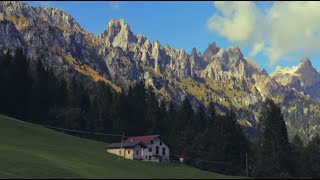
(31, 151)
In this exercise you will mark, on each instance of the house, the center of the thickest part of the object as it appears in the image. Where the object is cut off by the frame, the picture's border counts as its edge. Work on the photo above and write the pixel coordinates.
(145, 148)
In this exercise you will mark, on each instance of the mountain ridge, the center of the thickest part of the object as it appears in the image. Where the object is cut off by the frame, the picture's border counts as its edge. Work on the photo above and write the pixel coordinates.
(224, 76)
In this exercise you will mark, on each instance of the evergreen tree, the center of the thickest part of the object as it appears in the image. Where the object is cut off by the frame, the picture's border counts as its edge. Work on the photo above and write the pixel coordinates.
(311, 160)
(184, 129)
(61, 93)
(200, 119)
(78, 105)
(211, 114)
(51, 87)
(226, 143)
(103, 100)
(164, 121)
(125, 112)
(153, 113)
(5, 65)
(298, 156)
(132, 109)
(185, 114)
(272, 156)
(115, 111)
(40, 97)
(171, 136)
(19, 85)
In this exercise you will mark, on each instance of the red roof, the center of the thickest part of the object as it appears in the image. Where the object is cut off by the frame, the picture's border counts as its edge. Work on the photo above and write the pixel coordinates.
(143, 139)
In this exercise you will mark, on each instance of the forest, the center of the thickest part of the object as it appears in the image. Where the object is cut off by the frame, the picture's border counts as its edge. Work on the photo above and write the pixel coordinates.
(34, 93)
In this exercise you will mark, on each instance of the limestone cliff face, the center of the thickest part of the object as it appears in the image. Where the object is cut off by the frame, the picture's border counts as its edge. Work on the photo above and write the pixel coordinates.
(48, 34)
(221, 75)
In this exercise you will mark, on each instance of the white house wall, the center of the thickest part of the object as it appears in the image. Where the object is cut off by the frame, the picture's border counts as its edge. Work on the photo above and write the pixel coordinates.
(156, 142)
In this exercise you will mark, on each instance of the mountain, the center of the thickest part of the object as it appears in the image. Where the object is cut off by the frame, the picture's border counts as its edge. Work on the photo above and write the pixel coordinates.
(120, 58)
(303, 77)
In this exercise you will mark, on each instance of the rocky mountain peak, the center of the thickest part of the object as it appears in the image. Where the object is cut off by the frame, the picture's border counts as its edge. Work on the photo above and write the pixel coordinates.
(303, 77)
(305, 61)
(10, 8)
(156, 44)
(182, 51)
(210, 51)
(24, 15)
(235, 51)
(307, 73)
(141, 39)
(60, 17)
(264, 72)
(305, 65)
(118, 34)
(13, 5)
(118, 25)
(115, 22)
(194, 52)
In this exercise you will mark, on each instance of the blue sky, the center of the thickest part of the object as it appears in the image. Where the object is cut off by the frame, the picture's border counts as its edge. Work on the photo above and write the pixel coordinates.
(178, 24)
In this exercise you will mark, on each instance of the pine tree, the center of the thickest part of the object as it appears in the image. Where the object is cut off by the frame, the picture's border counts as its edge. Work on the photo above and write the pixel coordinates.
(298, 156)
(44, 95)
(164, 121)
(200, 121)
(185, 114)
(153, 113)
(211, 113)
(5, 65)
(273, 151)
(171, 136)
(311, 160)
(115, 111)
(125, 112)
(61, 93)
(103, 100)
(225, 142)
(184, 129)
(19, 84)
(51, 87)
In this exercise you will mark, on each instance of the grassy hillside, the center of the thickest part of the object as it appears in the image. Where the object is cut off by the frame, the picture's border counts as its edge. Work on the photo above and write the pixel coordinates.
(31, 151)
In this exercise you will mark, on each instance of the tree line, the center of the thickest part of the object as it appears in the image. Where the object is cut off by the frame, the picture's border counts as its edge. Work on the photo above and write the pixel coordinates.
(34, 93)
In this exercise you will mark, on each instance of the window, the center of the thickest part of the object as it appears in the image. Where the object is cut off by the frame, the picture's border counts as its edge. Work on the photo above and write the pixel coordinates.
(137, 152)
(149, 157)
(120, 152)
(151, 141)
(146, 157)
(163, 151)
(128, 151)
(160, 143)
(150, 149)
(157, 150)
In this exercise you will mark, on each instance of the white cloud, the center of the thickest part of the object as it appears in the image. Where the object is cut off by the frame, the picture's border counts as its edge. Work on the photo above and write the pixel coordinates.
(257, 48)
(237, 22)
(287, 28)
(114, 4)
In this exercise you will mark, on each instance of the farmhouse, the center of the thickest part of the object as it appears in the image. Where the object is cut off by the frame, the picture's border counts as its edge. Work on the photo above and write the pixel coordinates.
(145, 148)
